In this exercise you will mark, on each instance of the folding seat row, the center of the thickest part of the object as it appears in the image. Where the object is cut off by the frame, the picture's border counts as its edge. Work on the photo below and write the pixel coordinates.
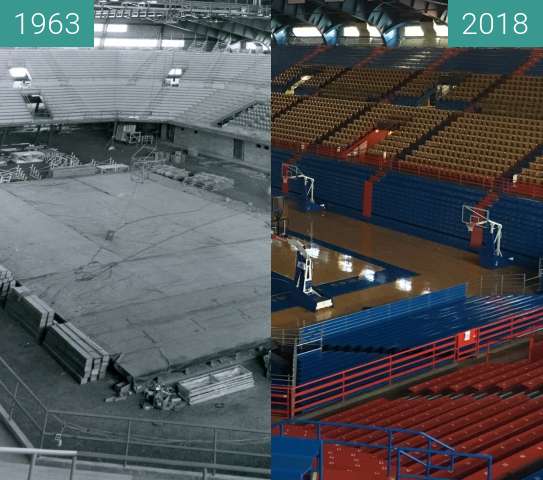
(414, 122)
(410, 58)
(518, 96)
(470, 87)
(318, 74)
(280, 101)
(342, 56)
(284, 57)
(325, 114)
(420, 84)
(484, 145)
(365, 84)
(288, 75)
(533, 173)
(487, 60)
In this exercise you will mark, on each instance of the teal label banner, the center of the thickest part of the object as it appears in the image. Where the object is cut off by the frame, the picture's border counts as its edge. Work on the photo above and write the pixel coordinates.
(495, 23)
(47, 23)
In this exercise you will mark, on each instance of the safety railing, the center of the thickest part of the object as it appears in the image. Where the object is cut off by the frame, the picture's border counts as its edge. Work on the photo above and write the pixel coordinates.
(430, 468)
(34, 453)
(395, 451)
(498, 183)
(132, 441)
(506, 284)
(338, 387)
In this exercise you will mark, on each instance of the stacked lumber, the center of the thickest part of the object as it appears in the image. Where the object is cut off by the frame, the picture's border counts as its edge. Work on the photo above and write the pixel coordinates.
(29, 310)
(7, 282)
(215, 384)
(82, 358)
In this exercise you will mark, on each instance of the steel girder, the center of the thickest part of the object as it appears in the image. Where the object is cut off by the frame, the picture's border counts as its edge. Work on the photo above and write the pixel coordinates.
(387, 16)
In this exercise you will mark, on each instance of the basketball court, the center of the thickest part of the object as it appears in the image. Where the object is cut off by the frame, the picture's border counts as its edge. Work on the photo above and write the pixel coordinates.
(428, 265)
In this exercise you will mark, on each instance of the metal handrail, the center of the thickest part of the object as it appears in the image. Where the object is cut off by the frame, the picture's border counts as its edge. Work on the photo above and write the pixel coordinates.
(427, 452)
(39, 429)
(36, 452)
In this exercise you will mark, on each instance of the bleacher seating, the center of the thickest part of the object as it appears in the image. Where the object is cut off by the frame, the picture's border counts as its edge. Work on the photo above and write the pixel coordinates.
(484, 149)
(281, 101)
(342, 56)
(483, 146)
(466, 91)
(414, 123)
(106, 85)
(255, 117)
(533, 172)
(401, 201)
(520, 215)
(502, 427)
(365, 84)
(487, 408)
(406, 58)
(338, 184)
(326, 114)
(284, 57)
(487, 377)
(373, 340)
(487, 60)
(518, 96)
(536, 70)
(418, 87)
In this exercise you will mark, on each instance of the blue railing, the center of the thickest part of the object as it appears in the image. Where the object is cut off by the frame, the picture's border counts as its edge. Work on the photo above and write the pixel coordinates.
(433, 447)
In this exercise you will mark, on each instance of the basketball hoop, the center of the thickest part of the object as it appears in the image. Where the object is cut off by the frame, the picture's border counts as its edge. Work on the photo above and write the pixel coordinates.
(475, 217)
(475, 221)
(480, 217)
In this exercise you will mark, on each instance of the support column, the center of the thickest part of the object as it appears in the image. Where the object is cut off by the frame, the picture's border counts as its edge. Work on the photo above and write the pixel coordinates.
(367, 201)
(50, 138)
(37, 135)
(5, 133)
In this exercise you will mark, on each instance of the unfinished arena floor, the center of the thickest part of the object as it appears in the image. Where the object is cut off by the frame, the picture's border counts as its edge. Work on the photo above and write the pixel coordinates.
(185, 276)
(436, 266)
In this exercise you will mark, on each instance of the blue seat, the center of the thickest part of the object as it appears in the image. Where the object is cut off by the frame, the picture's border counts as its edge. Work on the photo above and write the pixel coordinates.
(487, 60)
(284, 57)
(376, 338)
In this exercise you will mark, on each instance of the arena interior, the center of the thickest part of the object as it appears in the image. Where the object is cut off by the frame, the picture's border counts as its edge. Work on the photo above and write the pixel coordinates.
(407, 183)
(134, 179)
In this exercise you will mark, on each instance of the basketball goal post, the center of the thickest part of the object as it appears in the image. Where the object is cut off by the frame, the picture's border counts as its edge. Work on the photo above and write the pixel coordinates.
(307, 200)
(474, 217)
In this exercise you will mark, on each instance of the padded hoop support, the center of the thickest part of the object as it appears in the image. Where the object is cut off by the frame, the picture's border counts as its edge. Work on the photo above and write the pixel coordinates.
(285, 176)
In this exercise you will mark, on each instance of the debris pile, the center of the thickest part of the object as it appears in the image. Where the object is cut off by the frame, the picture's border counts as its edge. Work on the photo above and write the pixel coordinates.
(209, 181)
(161, 397)
(205, 181)
(172, 172)
(173, 393)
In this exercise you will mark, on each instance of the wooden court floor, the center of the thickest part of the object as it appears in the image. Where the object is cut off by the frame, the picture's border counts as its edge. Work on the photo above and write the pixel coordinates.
(438, 266)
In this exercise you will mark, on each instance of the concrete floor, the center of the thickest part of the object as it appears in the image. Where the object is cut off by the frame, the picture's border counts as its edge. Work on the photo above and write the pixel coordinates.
(91, 142)
(58, 391)
(185, 277)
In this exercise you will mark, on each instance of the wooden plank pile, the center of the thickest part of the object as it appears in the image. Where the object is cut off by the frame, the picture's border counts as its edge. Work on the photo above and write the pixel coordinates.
(7, 282)
(29, 310)
(84, 359)
(215, 384)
